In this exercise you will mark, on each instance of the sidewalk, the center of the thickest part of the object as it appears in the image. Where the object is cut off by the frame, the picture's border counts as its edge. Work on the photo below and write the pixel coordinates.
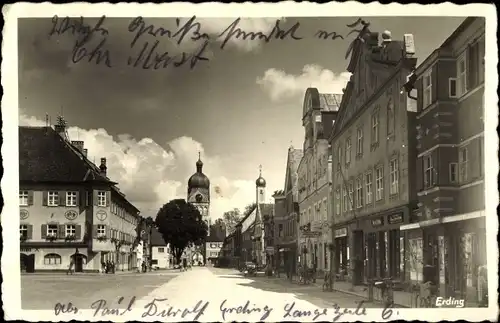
(401, 298)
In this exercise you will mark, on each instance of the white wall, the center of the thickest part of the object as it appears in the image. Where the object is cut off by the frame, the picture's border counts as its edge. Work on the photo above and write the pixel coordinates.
(162, 255)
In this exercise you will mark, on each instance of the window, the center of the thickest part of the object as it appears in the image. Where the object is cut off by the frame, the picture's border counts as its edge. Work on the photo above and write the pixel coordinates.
(351, 195)
(337, 201)
(427, 88)
(345, 201)
(462, 159)
(52, 259)
(359, 192)
(348, 151)
(339, 156)
(53, 198)
(101, 198)
(452, 87)
(52, 230)
(428, 171)
(161, 250)
(70, 230)
(101, 230)
(70, 198)
(394, 174)
(23, 198)
(325, 210)
(23, 231)
(368, 184)
(453, 172)
(462, 74)
(375, 128)
(379, 183)
(359, 139)
(473, 66)
(390, 118)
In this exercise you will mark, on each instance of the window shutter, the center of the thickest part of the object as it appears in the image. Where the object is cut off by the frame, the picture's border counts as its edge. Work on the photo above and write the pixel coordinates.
(62, 198)
(95, 197)
(44, 231)
(420, 179)
(94, 231)
(30, 197)
(78, 232)
(108, 231)
(77, 198)
(472, 65)
(108, 198)
(420, 95)
(61, 232)
(44, 198)
(30, 231)
(434, 77)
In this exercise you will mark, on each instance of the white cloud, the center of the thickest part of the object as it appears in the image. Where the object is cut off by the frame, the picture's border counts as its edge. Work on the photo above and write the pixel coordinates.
(280, 85)
(150, 176)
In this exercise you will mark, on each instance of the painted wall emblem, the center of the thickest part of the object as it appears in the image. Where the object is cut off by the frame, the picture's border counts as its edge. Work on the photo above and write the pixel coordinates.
(101, 215)
(71, 215)
(23, 214)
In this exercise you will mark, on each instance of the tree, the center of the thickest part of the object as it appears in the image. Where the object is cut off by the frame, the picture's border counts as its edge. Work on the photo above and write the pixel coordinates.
(181, 225)
(231, 218)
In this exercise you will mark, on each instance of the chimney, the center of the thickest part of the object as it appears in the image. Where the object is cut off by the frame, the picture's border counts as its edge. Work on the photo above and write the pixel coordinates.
(60, 126)
(85, 152)
(103, 167)
(78, 145)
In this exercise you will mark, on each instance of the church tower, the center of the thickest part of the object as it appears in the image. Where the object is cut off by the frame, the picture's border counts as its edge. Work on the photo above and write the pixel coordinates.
(260, 185)
(198, 192)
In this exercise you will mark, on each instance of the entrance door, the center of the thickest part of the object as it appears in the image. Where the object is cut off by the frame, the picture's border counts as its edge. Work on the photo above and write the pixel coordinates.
(79, 261)
(27, 263)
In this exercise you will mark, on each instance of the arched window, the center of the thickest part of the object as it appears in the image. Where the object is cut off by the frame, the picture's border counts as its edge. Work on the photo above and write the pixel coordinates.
(52, 259)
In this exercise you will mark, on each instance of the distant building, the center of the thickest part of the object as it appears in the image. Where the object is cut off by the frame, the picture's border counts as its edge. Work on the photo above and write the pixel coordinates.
(263, 212)
(161, 257)
(448, 229)
(69, 209)
(314, 179)
(286, 215)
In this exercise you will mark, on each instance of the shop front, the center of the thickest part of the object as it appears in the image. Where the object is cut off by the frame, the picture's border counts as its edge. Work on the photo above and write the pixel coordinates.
(341, 254)
(377, 246)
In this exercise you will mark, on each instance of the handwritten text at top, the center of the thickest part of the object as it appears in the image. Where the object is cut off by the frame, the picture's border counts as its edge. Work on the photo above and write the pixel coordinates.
(150, 58)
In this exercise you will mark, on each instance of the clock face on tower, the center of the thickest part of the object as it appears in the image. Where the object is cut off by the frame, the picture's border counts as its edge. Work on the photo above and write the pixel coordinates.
(198, 197)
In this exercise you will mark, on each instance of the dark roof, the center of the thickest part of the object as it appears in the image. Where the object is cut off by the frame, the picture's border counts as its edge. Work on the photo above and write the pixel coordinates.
(246, 216)
(157, 239)
(44, 156)
(329, 101)
(466, 23)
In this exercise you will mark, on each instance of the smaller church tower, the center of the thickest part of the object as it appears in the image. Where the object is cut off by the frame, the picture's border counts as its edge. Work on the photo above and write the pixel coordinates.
(260, 185)
(199, 192)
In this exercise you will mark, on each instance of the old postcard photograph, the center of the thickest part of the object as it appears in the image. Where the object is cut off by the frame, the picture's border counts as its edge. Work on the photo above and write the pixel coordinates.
(249, 162)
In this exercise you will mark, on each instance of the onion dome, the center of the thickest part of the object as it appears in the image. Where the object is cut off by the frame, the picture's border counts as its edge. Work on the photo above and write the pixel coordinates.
(198, 179)
(260, 182)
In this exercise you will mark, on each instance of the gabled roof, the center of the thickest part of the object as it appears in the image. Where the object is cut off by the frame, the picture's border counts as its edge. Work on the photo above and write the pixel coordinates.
(44, 156)
(292, 164)
(157, 238)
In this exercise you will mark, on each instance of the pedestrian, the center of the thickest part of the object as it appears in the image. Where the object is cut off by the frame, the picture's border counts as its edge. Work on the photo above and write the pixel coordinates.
(103, 266)
(70, 269)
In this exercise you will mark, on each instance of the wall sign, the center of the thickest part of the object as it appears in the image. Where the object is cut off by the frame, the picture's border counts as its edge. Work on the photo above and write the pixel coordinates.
(71, 215)
(341, 233)
(395, 218)
(378, 222)
(101, 215)
(24, 214)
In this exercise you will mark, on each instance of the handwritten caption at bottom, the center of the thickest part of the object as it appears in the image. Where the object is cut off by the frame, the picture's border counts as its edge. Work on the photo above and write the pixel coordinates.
(229, 310)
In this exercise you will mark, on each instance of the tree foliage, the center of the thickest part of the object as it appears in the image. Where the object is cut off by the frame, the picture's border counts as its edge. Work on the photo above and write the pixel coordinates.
(180, 225)
(231, 218)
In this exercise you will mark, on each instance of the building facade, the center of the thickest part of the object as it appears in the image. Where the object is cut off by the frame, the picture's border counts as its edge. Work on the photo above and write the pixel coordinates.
(373, 149)
(448, 233)
(70, 211)
(286, 210)
(314, 179)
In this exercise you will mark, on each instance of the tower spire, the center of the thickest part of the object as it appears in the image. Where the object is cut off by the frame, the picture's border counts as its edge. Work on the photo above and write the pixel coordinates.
(260, 170)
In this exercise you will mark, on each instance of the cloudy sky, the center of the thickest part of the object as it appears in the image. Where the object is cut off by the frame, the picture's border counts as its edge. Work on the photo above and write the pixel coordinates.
(240, 108)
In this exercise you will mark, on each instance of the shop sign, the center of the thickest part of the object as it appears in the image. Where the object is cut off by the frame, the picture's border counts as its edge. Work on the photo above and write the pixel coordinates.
(378, 222)
(395, 218)
(341, 233)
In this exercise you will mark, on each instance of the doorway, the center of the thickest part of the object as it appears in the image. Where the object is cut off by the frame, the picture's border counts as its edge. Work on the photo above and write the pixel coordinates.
(79, 260)
(27, 263)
